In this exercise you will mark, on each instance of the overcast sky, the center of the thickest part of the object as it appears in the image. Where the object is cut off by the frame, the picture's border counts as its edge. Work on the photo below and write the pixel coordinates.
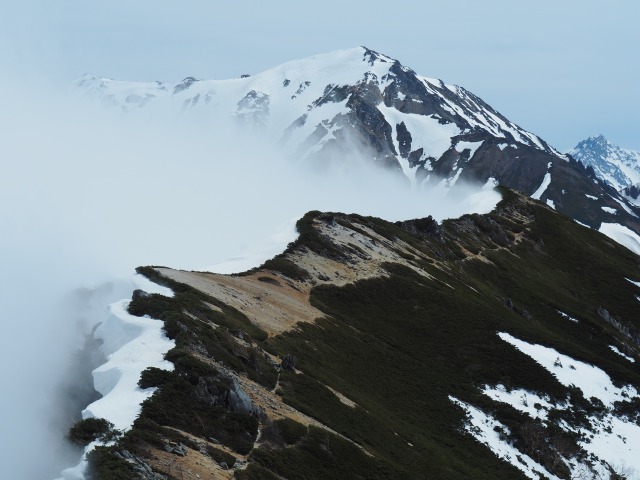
(562, 69)
(71, 192)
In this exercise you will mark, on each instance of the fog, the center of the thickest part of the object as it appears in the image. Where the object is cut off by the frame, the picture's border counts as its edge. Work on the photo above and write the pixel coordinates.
(88, 195)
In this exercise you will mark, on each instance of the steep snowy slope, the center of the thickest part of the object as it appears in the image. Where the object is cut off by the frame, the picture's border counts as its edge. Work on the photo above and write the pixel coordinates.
(305, 103)
(617, 166)
(323, 108)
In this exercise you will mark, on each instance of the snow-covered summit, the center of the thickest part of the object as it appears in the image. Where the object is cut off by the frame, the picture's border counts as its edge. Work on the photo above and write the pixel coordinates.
(617, 166)
(316, 104)
(360, 104)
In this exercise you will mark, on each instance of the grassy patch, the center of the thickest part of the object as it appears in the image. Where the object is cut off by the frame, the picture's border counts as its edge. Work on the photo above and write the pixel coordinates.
(400, 346)
(429, 339)
(322, 455)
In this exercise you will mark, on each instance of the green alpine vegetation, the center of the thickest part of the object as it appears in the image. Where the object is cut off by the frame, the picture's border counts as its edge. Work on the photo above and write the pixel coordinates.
(388, 324)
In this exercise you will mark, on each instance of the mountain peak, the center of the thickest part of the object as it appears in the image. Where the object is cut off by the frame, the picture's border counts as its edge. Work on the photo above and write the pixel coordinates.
(305, 95)
(371, 56)
(615, 165)
(599, 140)
(360, 103)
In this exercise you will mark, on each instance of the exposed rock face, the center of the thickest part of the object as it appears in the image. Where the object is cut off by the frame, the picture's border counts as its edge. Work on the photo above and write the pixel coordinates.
(239, 401)
(140, 468)
(179, 449)
(629, 330)
(422, 227)
(632, 193)
(184, 85)
(211, 391)
(289, 362)
(253, 109)
(138, 293)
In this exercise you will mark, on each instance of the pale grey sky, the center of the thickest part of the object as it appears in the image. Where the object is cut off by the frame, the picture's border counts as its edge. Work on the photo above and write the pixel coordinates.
(562, 69)
(71, 193)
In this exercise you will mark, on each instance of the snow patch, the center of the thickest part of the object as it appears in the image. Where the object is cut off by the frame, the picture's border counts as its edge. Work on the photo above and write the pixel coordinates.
(615, 349)
(472, 146)
(580, 223)
(623, 235)
(616, 442)
(610, 210)
(426, 132)
(545, 183)
(522, 400)
(452, 181)
(486, 430)
(613, 441)
(568, 317)
(590, 196)
(637, 284)
(593, 381)
(624, 206)
(551, 203)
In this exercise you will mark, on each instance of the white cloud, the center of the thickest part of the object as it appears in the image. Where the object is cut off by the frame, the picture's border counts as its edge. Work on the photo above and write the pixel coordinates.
(86, 196)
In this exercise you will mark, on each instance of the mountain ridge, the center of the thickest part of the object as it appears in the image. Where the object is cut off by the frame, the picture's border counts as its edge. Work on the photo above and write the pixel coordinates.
(450, 315)
(322, 109)
(617, 166)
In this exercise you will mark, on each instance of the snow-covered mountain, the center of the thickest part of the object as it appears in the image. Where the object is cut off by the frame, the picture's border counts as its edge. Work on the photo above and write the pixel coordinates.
(617, 166)
(310, 105)
(319, 108)
(500, 353)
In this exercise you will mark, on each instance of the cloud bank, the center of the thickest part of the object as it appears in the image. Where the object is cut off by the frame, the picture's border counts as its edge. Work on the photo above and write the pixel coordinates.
(86, 196)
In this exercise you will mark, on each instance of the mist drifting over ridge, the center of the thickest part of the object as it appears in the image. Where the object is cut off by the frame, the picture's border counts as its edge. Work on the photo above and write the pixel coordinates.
(88, 195)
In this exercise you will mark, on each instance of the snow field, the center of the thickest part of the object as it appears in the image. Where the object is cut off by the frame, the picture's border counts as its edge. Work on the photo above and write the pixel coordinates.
(623, 235)
(528, 402)
(593, 381)
(611, 439)
(295, 87)
(483, 428)
(131, 345)
(611, 442)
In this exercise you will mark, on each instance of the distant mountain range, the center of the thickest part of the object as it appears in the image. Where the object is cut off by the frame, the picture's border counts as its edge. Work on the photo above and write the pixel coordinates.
(436, 135)
(617, 166)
